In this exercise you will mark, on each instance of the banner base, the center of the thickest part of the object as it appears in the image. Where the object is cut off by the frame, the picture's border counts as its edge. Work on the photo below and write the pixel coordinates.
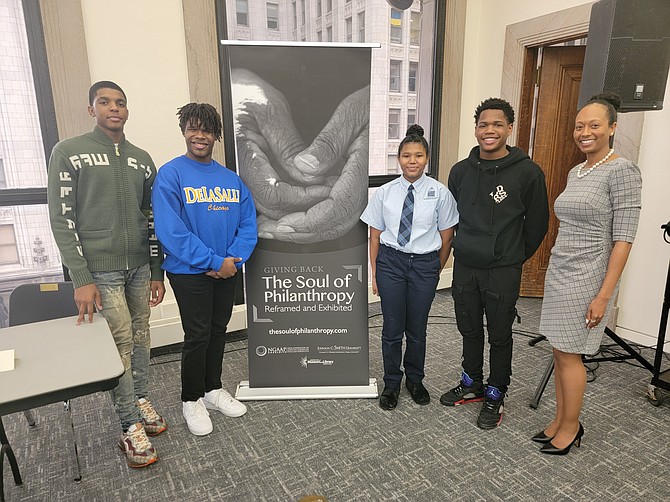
(246, 393)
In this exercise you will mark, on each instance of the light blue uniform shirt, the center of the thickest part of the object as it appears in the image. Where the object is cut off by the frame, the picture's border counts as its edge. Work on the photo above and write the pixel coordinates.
(434, 210)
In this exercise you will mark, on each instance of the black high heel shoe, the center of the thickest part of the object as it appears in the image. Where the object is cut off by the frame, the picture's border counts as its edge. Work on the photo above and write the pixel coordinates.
(541, 437)
(550, 449)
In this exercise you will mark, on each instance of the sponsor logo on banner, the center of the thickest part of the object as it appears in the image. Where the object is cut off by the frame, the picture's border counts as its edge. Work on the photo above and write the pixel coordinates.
(306, 361)
(262, 350)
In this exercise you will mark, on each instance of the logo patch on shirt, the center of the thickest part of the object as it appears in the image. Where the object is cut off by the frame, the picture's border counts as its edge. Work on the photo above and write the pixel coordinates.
(431, 194)
(499, 195)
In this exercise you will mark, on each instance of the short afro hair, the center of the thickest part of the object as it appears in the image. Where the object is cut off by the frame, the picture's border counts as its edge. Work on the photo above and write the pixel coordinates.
(495, 104)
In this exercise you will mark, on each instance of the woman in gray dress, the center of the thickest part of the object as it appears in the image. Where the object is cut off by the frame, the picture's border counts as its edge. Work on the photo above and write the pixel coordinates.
(598, 213)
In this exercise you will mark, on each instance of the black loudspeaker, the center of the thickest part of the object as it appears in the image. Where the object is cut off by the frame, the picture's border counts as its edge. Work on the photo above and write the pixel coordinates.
(628, 52)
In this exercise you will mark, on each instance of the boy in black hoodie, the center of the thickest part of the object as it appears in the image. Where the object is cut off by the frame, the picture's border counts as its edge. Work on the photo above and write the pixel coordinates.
(504, 213)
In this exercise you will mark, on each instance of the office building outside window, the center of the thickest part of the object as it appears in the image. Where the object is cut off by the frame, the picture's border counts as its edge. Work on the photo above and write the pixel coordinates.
(395, 84)
(3, 176)
(28, 252)
(273, 16)
(413, 71)
(243, 12)
(394, 75)
(302, 12)
(396, 26)
(415, 28)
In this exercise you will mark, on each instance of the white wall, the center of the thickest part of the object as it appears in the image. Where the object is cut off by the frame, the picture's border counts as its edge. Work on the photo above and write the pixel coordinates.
(140, 45)
(643, 282)
(486, 22)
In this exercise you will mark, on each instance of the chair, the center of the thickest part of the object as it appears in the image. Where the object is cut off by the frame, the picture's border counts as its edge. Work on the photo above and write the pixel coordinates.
(30, 303)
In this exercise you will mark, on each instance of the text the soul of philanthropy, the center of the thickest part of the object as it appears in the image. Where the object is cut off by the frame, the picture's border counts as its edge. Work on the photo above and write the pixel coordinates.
(311, 295)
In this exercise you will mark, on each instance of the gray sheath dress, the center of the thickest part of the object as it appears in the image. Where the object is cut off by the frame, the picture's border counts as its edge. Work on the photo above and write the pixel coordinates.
(593, 211)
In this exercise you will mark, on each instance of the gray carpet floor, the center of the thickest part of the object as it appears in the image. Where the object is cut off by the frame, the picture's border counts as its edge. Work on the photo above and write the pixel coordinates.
(350, 450)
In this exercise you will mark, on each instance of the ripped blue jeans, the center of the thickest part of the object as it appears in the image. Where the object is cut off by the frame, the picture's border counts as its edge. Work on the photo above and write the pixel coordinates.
(125, 305)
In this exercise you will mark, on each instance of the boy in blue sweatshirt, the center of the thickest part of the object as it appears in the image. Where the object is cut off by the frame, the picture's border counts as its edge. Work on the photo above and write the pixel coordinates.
(205, 219)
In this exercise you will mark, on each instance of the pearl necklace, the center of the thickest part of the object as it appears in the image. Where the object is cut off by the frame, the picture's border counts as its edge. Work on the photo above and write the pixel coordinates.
(581, 174)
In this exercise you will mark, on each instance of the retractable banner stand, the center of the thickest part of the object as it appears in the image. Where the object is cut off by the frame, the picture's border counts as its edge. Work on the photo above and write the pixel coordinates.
(301, 118)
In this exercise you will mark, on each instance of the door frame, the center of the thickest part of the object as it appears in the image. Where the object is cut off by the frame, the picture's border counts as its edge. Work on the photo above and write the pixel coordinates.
(552, 28)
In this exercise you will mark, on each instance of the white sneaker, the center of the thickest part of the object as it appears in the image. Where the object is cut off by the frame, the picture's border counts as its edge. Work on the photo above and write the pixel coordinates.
(197, 417)
(219, 399)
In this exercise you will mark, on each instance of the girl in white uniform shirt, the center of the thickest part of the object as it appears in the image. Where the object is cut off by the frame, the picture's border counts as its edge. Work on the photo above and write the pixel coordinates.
(412, 220)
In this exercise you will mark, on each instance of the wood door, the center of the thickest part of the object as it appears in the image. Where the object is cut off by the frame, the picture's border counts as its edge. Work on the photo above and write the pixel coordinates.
(554, 150)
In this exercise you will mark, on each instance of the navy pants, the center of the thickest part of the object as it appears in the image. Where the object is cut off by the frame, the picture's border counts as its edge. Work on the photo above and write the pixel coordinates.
(205, 306)
(406, 284)
(494, 292)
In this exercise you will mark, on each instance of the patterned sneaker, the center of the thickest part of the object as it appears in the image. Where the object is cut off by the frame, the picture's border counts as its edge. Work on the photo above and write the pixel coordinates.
(154, 424)
(137, 447)
(197, 417)
(467, 391)
(491, 413)
(219, 399)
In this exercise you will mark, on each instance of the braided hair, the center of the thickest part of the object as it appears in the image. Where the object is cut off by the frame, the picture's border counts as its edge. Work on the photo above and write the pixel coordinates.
(202, 115)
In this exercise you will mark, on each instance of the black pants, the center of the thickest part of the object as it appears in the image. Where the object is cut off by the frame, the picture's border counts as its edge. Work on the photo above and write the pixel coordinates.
(205, 306)
(406, 285)
(493, 292)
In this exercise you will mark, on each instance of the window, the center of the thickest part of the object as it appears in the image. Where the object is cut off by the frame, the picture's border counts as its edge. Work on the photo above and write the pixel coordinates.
(3, 176)
(28, 252)
(394, 123)
(8, 251)
(413, 71)
(415, 28)
(396, 26)
(390, 72)
(273, 16)
(394, 75)
(411, 117)
(243, 12)
(302, 12)
(392, 164)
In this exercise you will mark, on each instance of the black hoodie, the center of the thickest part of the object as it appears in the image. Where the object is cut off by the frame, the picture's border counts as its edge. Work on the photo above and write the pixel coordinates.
(502, 207)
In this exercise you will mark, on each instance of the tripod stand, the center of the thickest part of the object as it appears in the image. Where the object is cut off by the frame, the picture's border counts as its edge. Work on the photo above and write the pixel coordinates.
(659, 379)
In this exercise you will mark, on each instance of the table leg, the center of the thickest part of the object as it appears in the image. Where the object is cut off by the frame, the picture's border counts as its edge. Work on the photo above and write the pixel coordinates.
(6, 449)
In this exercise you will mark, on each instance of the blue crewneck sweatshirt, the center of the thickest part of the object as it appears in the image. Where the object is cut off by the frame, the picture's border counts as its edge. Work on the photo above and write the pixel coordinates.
(203, 213)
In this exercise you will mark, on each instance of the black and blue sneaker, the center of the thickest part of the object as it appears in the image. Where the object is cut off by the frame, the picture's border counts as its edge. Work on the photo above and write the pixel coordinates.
(467, 391)
(491, 413)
